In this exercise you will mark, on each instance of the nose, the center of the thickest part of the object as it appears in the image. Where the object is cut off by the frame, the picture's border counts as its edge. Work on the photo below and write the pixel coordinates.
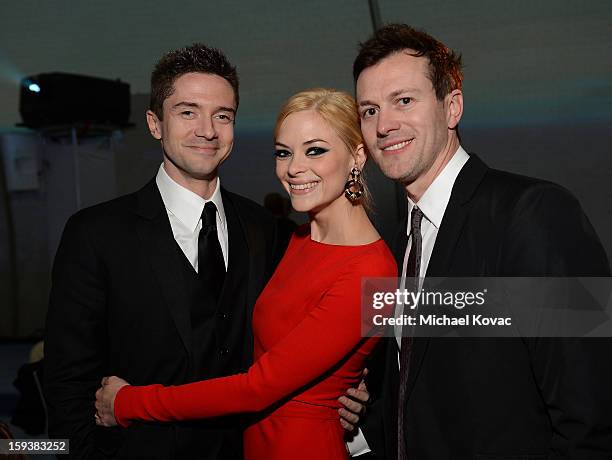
(386, 123)
(205, 128)
(297, 165)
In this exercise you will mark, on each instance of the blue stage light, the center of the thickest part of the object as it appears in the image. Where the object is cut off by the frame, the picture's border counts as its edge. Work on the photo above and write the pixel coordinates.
(34, 88)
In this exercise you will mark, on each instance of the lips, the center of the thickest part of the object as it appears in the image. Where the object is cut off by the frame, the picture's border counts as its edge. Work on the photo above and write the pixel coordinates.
(301, 189)
(396, 146)
(204, 148)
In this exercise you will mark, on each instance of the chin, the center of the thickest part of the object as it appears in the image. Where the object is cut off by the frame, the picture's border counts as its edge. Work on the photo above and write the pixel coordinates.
(308, 206)
(392, 173)
(397, 171)
(300, 207)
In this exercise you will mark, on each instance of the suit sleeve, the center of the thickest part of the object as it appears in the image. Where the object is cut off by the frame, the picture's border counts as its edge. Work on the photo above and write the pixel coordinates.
(326, 335)
(551, 236)
(74, 351)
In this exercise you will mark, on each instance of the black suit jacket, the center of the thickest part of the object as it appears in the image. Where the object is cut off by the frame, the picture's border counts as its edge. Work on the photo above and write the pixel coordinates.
(502, 398)
(117, 307)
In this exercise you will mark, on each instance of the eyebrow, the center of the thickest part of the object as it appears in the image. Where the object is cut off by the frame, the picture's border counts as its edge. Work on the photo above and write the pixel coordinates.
(197, 106)
(226, 109)
(396, 93)
(366, 102)
(185, 104)
(393, 95)
(311, 141)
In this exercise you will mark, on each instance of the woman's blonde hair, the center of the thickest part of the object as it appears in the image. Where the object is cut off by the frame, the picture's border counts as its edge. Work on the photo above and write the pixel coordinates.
(339, 110)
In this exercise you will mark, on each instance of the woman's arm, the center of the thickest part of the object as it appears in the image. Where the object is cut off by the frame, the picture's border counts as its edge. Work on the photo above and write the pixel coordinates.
(325, 336)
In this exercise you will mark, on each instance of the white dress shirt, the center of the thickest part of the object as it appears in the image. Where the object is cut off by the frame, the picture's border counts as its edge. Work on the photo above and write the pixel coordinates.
(433, 204)
(184, 210)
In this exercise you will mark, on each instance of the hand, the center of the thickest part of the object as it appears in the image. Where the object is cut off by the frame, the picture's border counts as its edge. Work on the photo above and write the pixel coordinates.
(355, 404)
(105, 400)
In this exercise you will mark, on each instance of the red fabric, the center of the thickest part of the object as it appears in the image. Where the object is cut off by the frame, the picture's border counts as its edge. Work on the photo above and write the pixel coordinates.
(308, 351)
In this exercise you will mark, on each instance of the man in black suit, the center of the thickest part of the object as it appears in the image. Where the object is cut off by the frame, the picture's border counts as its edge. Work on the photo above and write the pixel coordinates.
(158, 286)
(469, 398)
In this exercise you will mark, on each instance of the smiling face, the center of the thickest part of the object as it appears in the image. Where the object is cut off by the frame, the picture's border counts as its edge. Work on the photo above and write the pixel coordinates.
(197, 130)
(407, 130)
(312, 162)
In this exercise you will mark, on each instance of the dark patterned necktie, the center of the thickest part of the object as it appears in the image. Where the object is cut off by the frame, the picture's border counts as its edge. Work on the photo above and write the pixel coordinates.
(413, 268)
(211, 265)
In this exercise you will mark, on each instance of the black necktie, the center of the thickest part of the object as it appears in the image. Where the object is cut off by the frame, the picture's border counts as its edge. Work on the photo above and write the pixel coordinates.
(211, 266)
(413, 268)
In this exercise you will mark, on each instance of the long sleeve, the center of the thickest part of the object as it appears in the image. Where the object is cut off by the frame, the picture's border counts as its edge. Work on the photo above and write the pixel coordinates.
(74, 344)
(325, 336)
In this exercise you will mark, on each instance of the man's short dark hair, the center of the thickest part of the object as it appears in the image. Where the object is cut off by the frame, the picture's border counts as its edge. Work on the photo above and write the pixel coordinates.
(195, 58)
(445, 70)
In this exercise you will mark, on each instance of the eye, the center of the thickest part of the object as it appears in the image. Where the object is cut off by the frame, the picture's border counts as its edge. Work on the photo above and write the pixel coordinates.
(405, 100)
(369, 112)
(224, 117)
(188, 114)
(315, 151)
(281, 153)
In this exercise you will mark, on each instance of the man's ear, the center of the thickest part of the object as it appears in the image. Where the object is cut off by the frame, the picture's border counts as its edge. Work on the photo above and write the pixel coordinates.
(154, 125)
(454, 108)
(360, 157)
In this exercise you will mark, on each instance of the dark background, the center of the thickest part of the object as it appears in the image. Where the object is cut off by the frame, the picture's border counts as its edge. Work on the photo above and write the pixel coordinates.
(538, 86)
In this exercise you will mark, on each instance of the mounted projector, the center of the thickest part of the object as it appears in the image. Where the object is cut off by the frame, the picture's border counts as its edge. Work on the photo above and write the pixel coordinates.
(52, 99)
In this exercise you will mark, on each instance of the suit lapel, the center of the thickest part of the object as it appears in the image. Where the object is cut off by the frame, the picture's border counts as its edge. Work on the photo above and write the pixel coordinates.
(237, 273)
(449, 235)
(254, 253)
(455, 216)
(160, 247)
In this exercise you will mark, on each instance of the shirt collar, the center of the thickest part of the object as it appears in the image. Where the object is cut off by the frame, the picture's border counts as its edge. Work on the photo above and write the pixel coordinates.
(184, 204)
(435, 199)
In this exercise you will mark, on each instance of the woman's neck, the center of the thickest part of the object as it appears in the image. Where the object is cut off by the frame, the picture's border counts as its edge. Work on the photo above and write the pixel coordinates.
(342, 223)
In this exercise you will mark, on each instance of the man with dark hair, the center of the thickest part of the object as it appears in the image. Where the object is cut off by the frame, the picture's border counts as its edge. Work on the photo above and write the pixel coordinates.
(454, 398)
(158, 286)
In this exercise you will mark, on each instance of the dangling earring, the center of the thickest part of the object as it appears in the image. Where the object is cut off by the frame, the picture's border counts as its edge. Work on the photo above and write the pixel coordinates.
(353, 189)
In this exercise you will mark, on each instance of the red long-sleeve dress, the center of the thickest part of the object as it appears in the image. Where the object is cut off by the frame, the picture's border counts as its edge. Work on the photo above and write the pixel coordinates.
(308, 351)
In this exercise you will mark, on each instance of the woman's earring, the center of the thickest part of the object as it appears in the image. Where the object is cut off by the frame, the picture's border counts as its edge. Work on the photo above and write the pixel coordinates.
(353, 189)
